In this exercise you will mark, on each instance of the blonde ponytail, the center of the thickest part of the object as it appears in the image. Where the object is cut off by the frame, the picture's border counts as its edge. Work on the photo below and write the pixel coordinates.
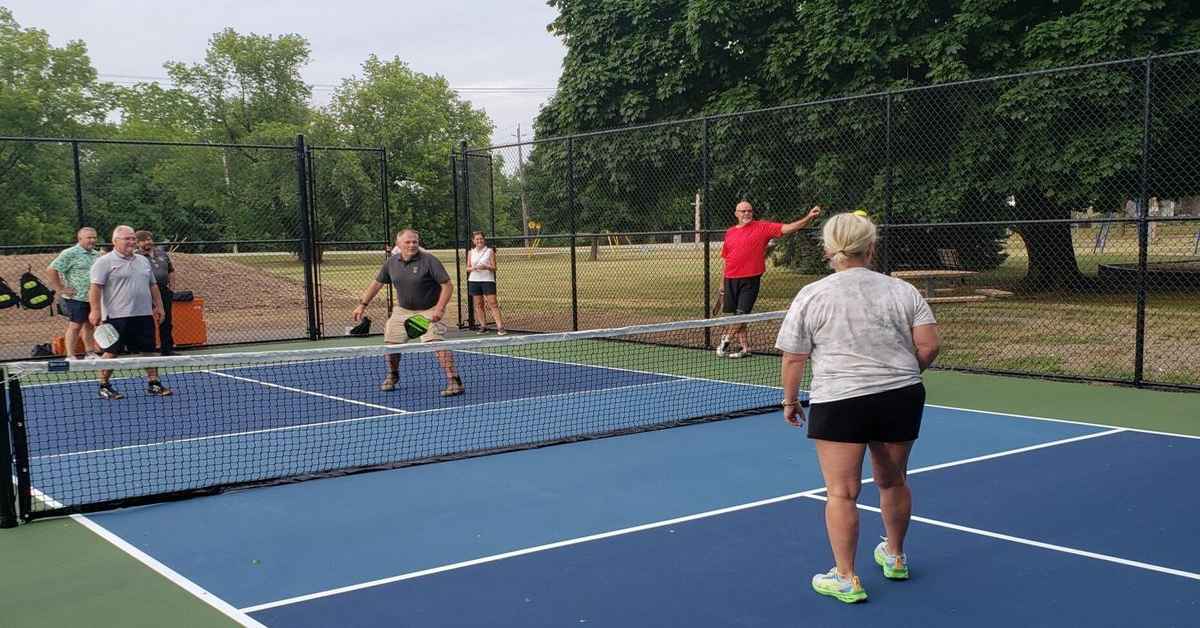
(847, 236)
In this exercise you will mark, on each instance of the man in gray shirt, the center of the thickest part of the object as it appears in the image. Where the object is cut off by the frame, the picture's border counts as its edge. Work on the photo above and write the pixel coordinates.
(422, 286)
(125, 295)
(164, 276)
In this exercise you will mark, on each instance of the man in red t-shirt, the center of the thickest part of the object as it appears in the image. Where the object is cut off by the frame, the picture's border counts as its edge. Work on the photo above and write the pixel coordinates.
(744, 251)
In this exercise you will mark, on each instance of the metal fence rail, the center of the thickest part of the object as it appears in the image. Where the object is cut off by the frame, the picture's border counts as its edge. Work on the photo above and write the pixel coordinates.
(1059, 211)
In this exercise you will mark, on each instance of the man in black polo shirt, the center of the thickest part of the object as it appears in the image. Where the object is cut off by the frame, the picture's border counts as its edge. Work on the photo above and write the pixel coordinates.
(164, 275)
(422, 286)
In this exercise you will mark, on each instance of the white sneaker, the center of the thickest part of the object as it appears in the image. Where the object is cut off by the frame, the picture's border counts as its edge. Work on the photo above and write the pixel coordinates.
(723, 346)
(740, 354)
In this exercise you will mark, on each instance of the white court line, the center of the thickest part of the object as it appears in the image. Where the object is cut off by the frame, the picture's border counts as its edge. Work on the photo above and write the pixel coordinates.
(1039, 544)
(711, 513)
(304, 426)
(1068, 421)
(199, 592)
(307, 392)
(520, 552)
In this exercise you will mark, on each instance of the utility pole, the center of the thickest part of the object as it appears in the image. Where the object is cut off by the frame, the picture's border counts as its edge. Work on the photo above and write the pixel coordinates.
(521, 171)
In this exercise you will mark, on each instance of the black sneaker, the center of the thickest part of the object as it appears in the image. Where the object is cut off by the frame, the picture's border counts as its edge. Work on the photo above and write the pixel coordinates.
(156, 388)
(108, 392)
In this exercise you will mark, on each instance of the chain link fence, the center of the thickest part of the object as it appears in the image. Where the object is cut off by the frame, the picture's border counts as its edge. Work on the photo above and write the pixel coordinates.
(272, 242)
(1051, 218)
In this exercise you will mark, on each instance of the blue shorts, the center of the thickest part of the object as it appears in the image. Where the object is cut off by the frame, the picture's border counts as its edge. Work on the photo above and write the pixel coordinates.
(480, 288)
(76, 311)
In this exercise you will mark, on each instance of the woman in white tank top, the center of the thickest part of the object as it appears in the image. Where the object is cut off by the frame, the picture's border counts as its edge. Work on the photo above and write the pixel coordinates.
(481, 282)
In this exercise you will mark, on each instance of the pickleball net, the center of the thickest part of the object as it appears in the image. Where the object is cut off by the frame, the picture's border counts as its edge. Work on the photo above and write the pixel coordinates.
(236, 420)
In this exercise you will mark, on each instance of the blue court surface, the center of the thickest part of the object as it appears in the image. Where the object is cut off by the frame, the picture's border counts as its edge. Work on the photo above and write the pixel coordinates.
(1017, 520)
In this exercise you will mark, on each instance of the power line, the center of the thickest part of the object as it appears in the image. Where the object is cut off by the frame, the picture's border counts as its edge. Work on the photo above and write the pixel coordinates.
(133, 79)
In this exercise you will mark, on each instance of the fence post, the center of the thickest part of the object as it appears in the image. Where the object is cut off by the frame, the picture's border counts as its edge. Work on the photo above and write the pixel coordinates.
(492, 193)
(306, 240)
(571, 211)
(8, 503)
(454, 244)
(385, 182)
(1139, 350)
(887, 186)
(704, 228)
(466, 226)
(80, 218)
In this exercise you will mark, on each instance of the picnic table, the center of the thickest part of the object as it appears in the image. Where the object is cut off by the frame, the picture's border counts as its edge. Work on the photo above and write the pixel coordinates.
(934, 282)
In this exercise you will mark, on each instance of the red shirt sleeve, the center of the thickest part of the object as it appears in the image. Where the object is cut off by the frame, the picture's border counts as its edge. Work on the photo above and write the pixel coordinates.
(772, 229)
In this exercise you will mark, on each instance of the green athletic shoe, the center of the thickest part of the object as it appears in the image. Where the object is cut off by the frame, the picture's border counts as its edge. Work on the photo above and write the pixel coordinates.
(848, 590)
(894, 567)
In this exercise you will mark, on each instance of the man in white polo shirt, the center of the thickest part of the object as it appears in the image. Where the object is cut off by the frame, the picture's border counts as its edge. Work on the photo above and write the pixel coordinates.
(125, 291)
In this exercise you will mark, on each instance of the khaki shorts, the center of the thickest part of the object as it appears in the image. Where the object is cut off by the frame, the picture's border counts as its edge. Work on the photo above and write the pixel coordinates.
(394, 334)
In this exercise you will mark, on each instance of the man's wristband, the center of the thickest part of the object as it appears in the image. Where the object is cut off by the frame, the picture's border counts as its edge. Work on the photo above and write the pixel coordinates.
(788, 404)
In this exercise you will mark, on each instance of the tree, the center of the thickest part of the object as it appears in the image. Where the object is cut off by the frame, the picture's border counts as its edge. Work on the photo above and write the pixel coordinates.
(1050, 143)
(45, 91)
(419, 120)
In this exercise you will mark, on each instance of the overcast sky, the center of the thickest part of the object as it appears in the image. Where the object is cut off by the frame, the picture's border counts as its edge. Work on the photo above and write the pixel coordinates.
(501, 46)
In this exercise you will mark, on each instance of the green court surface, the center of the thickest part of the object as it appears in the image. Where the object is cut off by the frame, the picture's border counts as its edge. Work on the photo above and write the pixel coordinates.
(59, 573)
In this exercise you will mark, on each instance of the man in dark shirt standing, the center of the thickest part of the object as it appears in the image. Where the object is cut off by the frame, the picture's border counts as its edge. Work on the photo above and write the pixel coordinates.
(164, 276)
(422, 286)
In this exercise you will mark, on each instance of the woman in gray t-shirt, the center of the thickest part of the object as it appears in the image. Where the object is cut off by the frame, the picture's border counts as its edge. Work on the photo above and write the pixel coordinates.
(868, 337)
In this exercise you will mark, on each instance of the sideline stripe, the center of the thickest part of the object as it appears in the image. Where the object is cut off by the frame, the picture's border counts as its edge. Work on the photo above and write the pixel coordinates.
(200, 593)
(1039, 544)
(813, 493)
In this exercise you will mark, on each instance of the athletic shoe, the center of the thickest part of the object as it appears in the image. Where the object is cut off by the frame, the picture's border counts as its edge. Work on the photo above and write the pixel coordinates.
(453, 387)
(501, 332)
(723, 346)
(894, 567)
(739, 354)
(108, 392)
(848, 590)
(156, 388)
(389, 382)
(481, 330)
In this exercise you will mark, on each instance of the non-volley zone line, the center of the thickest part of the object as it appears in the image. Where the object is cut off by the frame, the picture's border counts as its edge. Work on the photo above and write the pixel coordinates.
(815, 493)
(333, 422)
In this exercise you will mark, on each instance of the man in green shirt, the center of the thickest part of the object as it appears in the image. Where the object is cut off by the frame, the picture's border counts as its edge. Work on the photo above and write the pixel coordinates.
(70, 276)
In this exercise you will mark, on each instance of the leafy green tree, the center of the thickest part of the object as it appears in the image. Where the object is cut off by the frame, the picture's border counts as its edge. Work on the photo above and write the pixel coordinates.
(45, 91)
(1049, 143)
(419, 120)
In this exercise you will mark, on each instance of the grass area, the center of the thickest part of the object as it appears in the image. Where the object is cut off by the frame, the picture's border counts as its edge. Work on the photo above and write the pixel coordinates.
(1055, 333)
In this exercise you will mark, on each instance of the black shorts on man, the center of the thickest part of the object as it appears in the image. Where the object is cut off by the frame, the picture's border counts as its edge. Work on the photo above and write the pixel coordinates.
(891, 416)
(135, 335)
(76, 311)
(480, 288)
(740, 294)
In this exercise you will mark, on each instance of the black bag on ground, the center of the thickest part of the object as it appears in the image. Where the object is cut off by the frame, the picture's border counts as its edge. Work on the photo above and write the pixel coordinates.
(42, 351)
(8, 298)
(34, 294)
(363, 328)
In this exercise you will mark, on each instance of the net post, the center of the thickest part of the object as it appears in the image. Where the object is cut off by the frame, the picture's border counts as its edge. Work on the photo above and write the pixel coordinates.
(571, 211)
(306, 241)
(20, 450)
(8, 498)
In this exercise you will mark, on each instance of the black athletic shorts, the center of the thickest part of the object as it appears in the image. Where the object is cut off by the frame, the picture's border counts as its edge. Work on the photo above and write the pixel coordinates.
(891, 416)
(480, 288)
(136, 335)
(76, 311)
(740, 294)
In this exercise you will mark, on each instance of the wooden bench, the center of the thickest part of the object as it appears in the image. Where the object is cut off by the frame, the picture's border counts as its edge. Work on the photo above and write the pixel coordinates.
(993, 293)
